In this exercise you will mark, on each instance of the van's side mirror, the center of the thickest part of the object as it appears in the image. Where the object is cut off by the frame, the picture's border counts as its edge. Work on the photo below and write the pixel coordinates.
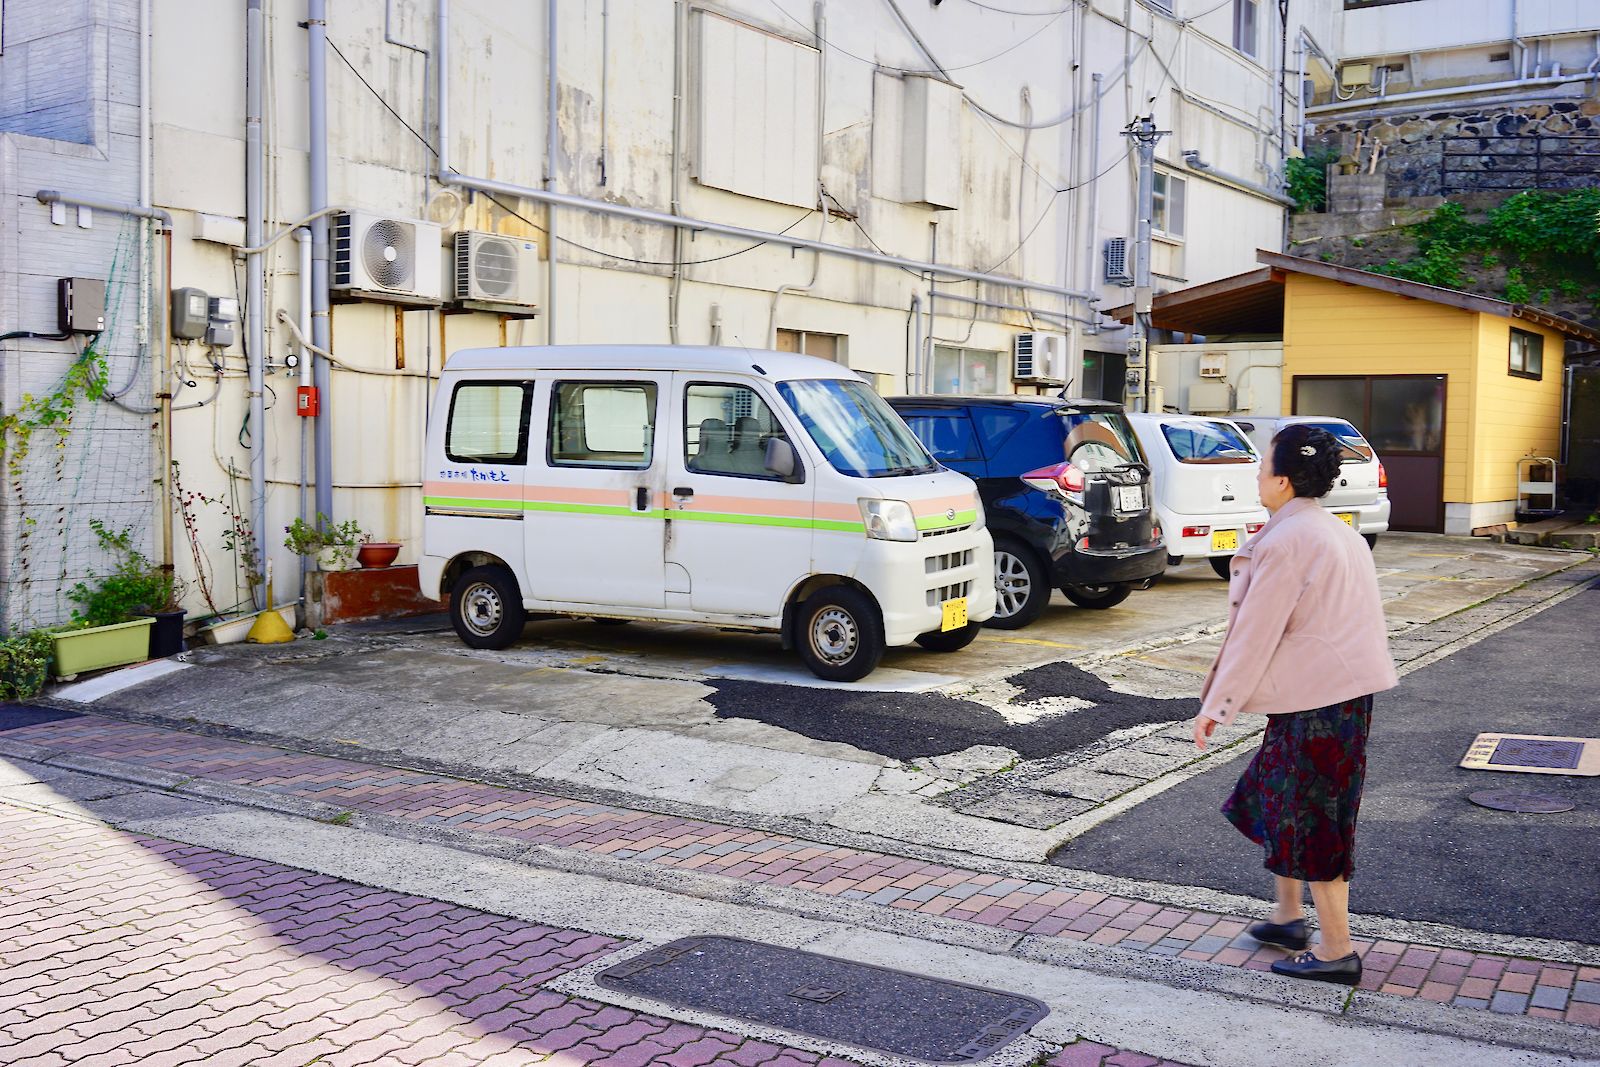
(781, 459)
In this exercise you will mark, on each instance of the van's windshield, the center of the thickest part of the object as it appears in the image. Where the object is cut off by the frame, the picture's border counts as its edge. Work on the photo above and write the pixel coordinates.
(859, 433)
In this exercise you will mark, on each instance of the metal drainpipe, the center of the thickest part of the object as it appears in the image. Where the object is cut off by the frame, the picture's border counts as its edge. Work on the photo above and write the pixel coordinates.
(552, 138)
(321, 327)
(255, 292)
(1092, 230)
(302, 237)
(676, 287)
(912, 386)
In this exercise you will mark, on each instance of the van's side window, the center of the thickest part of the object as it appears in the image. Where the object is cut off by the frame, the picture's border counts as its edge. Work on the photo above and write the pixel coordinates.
(489, 423)
(726, 429)
(603, 424)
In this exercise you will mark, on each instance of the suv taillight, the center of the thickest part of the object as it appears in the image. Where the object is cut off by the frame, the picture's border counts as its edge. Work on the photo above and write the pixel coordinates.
(1062, 476)
(1383, 476)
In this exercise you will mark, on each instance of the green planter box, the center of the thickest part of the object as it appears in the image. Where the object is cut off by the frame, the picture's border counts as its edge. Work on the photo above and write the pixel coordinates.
(77, 651)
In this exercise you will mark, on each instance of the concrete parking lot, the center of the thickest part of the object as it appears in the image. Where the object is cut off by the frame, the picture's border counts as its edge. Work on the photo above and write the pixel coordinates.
(1006, 749)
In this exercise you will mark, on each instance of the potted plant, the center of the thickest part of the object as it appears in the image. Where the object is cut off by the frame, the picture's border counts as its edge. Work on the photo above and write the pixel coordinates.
(376, 554)
(333, 544)
(113, 621)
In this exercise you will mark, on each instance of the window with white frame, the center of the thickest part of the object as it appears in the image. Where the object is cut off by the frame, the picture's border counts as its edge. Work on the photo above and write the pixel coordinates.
(1167, 205)
(966, 370)
(1246, 33)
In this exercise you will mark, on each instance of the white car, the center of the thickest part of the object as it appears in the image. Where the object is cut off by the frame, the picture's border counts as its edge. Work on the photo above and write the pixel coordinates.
(1361, 495)
(722, 486)
(1204, 474)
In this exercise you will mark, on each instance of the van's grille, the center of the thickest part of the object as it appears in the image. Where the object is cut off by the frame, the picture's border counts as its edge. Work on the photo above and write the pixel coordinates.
(947, 530)
(949, 561)
(948, 592)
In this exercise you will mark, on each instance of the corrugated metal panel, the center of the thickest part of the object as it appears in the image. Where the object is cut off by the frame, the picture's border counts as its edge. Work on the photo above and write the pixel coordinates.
(757, 112)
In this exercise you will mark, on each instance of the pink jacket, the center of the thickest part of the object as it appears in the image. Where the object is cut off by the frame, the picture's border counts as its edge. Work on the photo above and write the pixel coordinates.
(1305, 624)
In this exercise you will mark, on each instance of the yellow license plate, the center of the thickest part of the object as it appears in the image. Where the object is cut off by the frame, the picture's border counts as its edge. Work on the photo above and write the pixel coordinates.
(955, 614)
(1225, 541)
(1347, 518)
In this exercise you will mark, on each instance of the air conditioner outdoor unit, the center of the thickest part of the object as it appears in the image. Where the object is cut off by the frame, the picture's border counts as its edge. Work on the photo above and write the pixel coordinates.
(392, 261)
(1040, 358)
(1213, 364)
(490, 268)
(1116, 253)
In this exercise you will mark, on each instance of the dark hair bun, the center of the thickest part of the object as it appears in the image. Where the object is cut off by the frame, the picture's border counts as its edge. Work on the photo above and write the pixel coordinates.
(1308, 457)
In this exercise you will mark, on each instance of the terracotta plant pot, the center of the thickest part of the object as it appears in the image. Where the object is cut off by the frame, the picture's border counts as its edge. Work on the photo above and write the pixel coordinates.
(376, 554)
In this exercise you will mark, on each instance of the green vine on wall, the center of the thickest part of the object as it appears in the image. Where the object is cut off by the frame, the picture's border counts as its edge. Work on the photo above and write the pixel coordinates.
(84, 380)
(1549, 244)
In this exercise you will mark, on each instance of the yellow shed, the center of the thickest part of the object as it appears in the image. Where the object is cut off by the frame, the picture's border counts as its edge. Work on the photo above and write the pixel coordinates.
(1451, 389)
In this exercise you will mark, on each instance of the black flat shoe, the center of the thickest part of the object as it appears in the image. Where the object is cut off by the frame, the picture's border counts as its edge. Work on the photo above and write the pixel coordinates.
(1343, 971)
(1290, 936)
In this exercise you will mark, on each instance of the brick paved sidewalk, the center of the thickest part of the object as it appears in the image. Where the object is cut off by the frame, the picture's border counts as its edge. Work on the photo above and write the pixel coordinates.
(1469, 980)
(128, 950)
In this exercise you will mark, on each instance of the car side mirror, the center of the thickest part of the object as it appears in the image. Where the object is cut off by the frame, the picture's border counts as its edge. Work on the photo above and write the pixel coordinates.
(781, 459)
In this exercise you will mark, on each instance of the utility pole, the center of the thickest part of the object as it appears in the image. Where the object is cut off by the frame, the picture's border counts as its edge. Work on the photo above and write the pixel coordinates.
(1141, 370)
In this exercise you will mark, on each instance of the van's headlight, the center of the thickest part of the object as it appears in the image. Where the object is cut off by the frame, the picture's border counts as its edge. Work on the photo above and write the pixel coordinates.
(889, 520)
(983, 518)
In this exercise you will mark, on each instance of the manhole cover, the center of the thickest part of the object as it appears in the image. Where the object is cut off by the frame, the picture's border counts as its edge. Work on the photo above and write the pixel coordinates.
(1532, 754)
(1531, 803)
(16, 716)
(891, 1011)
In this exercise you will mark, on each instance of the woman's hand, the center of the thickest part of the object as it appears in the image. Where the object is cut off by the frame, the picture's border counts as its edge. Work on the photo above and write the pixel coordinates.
(1203, 728)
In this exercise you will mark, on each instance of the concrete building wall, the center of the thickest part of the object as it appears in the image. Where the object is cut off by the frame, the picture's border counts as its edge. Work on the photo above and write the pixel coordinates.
(69, 120)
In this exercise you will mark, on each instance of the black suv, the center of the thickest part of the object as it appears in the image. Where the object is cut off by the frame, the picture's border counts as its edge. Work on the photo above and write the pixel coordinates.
(1066, 490)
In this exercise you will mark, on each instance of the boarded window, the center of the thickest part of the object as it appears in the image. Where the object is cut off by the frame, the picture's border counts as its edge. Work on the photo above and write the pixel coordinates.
(489, 423)
(757, 112)
(823, 345)
(603, 424)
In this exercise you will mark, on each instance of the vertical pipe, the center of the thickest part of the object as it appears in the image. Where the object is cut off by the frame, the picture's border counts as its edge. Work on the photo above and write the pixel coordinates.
(552, 141)
(605, 83)
(302, 238)
(1145, 137)
(676, 288)
(925, 356)
(1091, 233)
(321, 327)
(255, 294)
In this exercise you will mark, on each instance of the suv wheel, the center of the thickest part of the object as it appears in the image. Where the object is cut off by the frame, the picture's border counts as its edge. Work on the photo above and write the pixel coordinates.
(839, 634)
(1221, 565)
(1370, 539)
(486, 608)
(1098, 596)
(1021, 591)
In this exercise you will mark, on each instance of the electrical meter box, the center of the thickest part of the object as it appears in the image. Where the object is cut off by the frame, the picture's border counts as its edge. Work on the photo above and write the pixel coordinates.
(191, 313)
(81, 305)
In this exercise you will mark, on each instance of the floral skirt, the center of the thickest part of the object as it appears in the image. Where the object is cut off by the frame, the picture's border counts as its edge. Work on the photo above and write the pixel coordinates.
(1299, 796)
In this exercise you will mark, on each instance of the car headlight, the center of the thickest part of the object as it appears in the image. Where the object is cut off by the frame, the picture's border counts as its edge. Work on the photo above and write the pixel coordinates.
(889, 520)
(983, 518)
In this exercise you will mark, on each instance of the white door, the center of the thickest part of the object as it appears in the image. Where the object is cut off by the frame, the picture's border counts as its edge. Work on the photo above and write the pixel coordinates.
(741, 533)
(593, 499)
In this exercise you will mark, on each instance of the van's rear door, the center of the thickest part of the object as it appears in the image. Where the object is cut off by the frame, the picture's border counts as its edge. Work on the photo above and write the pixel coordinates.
(593, 499)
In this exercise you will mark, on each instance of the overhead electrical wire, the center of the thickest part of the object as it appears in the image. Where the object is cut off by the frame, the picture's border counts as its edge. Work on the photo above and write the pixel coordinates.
(920, 70)
(517, 214)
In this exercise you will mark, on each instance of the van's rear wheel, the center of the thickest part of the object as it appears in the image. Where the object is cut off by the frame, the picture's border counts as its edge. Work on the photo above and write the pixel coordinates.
(840, 634)
(1098, 596)
(486, 608)
(1222, 565)
(1020, 587)
(950, 640)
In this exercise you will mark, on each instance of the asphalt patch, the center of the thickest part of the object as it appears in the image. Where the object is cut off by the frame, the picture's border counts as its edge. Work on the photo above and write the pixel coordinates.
(16, 716)
(1424, 852)
(908, 726)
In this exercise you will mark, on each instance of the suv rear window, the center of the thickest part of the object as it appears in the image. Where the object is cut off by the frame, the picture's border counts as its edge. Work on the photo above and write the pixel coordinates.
(1098, 440)
(1204, 441)
(1356, 449)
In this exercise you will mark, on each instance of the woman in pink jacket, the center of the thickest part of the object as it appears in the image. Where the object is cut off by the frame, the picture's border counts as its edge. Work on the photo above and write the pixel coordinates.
(1307, 646)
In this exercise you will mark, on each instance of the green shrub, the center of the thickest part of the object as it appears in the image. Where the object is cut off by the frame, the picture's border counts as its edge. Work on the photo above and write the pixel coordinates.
(1307, 179)
(24, 665)
(136, 586)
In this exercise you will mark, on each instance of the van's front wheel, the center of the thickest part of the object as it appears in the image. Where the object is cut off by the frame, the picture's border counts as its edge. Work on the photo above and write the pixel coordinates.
(839, 634)
(486, 608)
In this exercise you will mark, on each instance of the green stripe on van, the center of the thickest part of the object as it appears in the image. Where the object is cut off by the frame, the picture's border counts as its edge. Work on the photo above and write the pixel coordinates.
(935, 522)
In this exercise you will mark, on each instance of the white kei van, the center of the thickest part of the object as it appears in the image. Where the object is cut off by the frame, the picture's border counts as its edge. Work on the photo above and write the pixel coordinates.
(750, 490)
(1204, 472)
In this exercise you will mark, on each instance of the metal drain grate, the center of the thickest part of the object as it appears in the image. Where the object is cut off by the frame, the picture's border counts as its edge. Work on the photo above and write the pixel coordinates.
(1526, 752)
(1533, 754)
(890, 1011)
